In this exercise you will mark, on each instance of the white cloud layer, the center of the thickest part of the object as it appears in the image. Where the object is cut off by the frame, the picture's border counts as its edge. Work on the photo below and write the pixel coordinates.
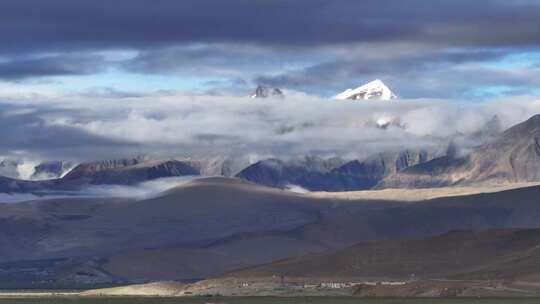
(140, 191)
(176, 125)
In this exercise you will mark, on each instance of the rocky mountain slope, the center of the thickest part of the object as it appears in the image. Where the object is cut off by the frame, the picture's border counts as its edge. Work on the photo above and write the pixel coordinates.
(128, 171)
(112, 172)
(513, 156)
(266, 92)
(51, 170)
(304, 172)
(316, 174)
(509, 157)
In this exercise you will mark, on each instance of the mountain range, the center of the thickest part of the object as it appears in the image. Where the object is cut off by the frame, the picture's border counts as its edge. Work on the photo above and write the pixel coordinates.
(316, 174)
(311, 173)
(511, 156)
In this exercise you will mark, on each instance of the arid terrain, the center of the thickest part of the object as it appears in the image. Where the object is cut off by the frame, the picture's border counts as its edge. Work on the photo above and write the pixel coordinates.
(449, 237)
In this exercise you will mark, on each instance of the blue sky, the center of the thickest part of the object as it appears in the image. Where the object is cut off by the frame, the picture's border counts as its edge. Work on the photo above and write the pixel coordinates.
(513, 74)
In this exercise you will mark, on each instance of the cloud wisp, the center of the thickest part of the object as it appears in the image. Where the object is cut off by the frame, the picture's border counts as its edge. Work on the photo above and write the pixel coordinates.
(145, 190)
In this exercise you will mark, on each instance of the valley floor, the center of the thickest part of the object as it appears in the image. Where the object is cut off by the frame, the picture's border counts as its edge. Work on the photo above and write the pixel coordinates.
(260, 300)
(421, 194)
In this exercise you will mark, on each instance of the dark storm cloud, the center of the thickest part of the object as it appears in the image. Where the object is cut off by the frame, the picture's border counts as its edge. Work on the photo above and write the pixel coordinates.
(17, 67)
(301, 44)
(25, 130)
(58, 24)
(203, 59)
(367, 64)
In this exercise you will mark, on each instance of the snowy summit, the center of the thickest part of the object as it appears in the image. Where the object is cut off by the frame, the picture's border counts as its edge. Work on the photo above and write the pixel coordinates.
(375, 90)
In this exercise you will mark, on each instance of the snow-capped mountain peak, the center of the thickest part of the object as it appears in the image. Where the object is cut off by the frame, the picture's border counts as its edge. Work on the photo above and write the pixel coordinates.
(375, 90)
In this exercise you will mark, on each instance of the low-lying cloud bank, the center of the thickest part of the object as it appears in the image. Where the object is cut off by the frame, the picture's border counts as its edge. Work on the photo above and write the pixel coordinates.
(80, 128)
(140, 191)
